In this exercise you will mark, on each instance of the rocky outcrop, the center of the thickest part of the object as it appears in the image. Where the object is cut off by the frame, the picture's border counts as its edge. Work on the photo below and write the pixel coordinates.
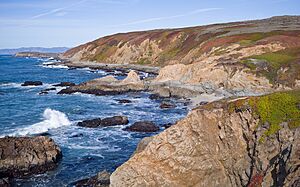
(143, 126)
(65, 84)
(100, 180)
(106, 122)
(224, 143)
(32, 83)
(108, 85)
(22, 156)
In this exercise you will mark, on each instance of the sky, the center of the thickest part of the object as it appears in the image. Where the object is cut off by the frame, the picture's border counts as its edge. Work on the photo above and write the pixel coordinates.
(52, 23)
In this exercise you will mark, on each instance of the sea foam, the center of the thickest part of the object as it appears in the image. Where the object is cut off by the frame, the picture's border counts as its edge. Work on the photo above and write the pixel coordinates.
(52, 119)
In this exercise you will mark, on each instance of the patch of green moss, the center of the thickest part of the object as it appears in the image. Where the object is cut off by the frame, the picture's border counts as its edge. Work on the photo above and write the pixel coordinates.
(276, 59)
(277, 108)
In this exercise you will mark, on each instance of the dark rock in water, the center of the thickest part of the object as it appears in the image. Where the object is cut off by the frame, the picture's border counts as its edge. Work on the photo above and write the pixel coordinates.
(106, 122)
(143, 126)
(167, 125)
(44, 134)
(49, 89)
(123, 101)
(116, 120)
(23, 156)
(203, 103)
(90, 91)
(5, 182)
(100, 180)
(32, 83)
(164, 105)
(155, 97)
(64, 84)
(92, 123)
(77, 135)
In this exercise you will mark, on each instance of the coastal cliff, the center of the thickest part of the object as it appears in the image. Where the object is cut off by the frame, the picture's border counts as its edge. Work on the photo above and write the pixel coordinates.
(251, 57)
(236, 142)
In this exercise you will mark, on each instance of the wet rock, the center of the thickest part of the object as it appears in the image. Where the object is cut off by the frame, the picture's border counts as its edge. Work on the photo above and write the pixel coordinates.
(143, 126)
(23, 156)
(164, 105)
(167, 125)
(5, 182)
(32, 83)
(123, 101)
(44, 134)
(64, 84)
(100, 180)
(77, 135)
(156, 97)
(106, 122)
(92, 123)
(43, 93)
(116, 120)
(49, 89)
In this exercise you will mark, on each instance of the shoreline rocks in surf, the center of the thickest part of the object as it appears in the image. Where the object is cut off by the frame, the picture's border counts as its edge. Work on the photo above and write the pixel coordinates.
(106, 122)
(32, 83)
(24, 156)
(143, 126)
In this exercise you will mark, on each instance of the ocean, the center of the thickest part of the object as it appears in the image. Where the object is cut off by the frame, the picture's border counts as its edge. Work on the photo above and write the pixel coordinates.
(86, 151)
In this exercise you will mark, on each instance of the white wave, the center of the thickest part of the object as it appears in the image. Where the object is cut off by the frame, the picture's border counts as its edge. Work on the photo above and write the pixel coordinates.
(12, 84)
(55, 66)
(52, 119)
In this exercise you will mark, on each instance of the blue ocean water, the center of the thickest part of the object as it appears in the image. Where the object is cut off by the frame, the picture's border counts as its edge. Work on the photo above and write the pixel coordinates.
(86, 151)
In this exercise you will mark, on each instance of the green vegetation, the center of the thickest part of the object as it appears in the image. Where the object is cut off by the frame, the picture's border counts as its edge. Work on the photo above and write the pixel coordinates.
(143, 61)
(276, 59)
(277, 108)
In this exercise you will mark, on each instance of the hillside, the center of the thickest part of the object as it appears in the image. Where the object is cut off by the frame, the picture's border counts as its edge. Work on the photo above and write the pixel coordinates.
(243, 57)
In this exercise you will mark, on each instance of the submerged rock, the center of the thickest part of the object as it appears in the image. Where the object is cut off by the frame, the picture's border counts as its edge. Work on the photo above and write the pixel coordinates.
(123, 101)
(143, 126)
(64, 84)
(165, 105)
(32, 83)
(100, 180)
(23, 156)
(106, 122)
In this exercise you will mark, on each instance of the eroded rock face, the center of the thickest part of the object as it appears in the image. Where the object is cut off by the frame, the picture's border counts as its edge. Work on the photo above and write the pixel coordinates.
(214, 146)
(22, 156)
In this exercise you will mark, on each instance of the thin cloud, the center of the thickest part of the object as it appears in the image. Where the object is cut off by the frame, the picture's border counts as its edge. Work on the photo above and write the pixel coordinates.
(54, 11)
(167, 17)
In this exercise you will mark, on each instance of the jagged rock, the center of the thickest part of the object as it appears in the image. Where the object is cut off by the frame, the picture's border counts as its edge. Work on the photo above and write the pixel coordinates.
(22, 156)
(100, 180)
(65, 84)
(106, 122)
(164, 105)
(216, 145)
(143, 126)
(32, 83)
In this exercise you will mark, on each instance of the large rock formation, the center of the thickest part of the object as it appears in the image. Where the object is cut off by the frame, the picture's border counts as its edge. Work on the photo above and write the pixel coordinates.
(242, 142)
(22, 156)
(241, 58)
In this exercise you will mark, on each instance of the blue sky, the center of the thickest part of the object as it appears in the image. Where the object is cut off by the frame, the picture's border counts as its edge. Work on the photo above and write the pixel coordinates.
(49, 23)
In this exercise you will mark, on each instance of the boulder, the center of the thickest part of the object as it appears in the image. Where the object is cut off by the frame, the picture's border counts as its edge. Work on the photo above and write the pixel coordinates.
(92, 123)
(143, 126)
(23, 156)
(116, 120)
(106, 122)
(165, 105)
(100, 180)
(64, 84)
(32, 83)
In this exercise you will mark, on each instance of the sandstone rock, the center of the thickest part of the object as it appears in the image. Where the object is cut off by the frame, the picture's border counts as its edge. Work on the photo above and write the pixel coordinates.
(143, 144)
(100, 180)
(22, 156)
(215, 146)
(32, 83)
(64, 84)
(143, 126)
